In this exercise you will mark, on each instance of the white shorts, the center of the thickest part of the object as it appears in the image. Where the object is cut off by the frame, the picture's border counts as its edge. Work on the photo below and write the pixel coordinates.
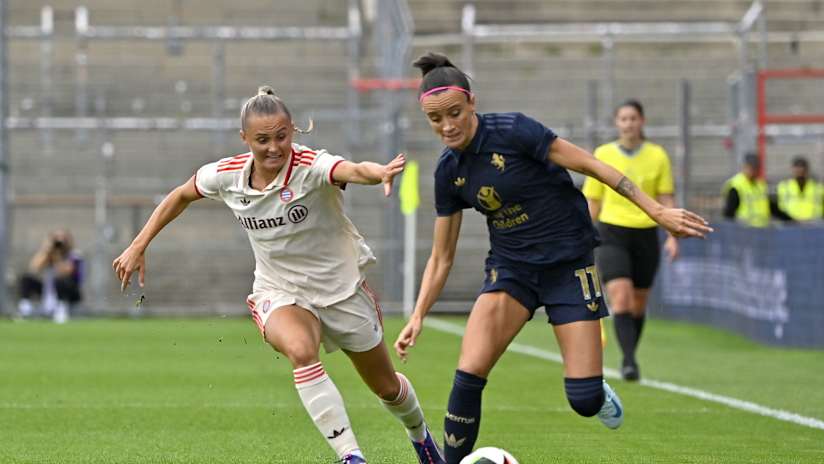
(354, 324)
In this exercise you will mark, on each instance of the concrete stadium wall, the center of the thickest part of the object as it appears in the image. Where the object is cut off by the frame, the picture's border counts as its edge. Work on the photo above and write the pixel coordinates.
(202, 263)
(440, 15)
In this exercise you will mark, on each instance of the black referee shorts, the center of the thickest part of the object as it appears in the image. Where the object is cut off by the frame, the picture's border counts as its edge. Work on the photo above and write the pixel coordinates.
(628, 252)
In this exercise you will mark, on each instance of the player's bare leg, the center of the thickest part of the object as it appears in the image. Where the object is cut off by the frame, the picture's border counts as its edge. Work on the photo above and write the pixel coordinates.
(580, 344)
(587, 392)
(398, 397)
(376, 370)
(296, 333)
(494, 321)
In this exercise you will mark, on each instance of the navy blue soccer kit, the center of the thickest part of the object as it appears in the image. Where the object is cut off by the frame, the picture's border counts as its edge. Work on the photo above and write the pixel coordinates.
(540, 231)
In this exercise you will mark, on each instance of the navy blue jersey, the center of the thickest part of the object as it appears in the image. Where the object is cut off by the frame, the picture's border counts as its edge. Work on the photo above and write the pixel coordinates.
(535, 214)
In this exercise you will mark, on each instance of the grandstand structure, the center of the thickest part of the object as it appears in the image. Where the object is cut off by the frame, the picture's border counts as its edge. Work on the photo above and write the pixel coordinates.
(113, 104)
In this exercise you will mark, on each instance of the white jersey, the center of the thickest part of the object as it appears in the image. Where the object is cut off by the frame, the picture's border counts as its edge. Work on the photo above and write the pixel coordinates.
(304, 244)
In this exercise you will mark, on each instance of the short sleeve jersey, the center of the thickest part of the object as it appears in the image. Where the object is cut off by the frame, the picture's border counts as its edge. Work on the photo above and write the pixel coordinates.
(534, 213)
(648, 167)
(304, 245)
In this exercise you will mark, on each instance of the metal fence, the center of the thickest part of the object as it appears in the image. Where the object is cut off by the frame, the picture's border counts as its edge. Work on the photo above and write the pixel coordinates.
(121, 113)
(97, 151)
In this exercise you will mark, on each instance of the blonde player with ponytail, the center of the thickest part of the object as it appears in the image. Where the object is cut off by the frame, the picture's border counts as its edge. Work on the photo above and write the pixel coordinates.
(309, 283)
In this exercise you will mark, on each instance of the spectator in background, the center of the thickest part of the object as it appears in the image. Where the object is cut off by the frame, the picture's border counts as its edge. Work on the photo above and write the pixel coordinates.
(747, 197)
(801, 197)
(53, 277)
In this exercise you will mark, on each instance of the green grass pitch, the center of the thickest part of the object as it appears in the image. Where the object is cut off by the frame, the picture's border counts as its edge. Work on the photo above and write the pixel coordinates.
(209, 391)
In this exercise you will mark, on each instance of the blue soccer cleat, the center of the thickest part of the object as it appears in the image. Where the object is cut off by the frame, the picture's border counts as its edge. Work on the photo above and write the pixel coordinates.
(612, 412)
(352, 459)
(428, 450)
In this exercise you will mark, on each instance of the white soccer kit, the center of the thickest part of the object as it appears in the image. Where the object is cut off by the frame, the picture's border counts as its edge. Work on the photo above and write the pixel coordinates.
(307, 252)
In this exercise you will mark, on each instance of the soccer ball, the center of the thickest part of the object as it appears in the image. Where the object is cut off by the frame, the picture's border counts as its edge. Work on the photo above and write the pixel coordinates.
(489, 455)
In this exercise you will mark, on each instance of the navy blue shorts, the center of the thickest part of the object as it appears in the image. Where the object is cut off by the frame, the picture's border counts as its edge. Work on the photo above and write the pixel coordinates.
(570, 291)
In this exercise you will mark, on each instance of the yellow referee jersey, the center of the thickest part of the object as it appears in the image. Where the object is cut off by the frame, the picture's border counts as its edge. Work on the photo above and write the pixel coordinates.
(648, 167)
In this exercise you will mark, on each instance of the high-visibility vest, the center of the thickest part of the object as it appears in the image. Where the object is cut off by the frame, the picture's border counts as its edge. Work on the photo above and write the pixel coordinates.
(801, 205)
(754, 206)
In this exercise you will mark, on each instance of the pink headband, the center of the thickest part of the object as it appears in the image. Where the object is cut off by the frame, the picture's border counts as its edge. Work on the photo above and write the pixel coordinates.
(440, 89)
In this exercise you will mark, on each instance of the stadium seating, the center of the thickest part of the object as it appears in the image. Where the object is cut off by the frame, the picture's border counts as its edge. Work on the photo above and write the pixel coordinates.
(547, 81)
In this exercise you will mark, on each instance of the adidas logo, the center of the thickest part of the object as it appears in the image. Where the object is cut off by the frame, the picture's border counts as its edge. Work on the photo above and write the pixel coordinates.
(336, 433)
(493, 275)
(453, 441)
(593, 306)
(460, 181)
(244, 201)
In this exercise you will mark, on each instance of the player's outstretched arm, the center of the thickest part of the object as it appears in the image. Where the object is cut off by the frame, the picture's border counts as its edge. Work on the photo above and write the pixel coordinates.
(132, 259)
(444, 244)
(679, 222)
(369, 173)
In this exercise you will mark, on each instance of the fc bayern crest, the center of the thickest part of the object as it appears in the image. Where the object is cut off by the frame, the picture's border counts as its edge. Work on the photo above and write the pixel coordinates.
(286, 195)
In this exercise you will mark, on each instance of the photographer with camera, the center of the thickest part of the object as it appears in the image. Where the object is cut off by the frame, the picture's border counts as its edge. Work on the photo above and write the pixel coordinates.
(53, 277)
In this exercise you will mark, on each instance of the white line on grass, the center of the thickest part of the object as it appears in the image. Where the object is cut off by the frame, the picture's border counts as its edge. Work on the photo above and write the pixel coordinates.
(748, 406)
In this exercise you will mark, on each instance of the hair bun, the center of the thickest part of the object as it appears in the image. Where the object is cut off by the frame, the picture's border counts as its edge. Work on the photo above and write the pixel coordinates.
(266, 90)
(432, 60)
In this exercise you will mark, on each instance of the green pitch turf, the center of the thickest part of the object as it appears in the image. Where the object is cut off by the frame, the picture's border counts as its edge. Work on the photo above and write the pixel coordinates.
(209, 391)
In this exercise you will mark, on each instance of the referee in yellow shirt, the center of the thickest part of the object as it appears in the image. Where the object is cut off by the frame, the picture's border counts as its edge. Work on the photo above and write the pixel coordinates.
(630, 250)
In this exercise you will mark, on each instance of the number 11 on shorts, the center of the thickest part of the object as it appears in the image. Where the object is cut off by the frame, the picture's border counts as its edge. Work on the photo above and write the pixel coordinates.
(581, 274)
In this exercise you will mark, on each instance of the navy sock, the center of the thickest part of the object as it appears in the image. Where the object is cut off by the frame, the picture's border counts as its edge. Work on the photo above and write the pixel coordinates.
(586, 396)
(463, 416)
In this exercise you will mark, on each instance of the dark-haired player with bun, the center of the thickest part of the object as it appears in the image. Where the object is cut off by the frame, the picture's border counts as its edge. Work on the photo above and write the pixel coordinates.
(513, 170)
(629, 253)
(309, 283)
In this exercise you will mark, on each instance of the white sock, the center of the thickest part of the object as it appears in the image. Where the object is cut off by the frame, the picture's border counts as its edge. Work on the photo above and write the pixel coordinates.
(407, 409)
(49, 299)
(324, 404)
(61, 313)
(25, 307)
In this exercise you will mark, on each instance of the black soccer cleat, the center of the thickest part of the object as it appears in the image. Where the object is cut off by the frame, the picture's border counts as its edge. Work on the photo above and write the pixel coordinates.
(630, 372)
